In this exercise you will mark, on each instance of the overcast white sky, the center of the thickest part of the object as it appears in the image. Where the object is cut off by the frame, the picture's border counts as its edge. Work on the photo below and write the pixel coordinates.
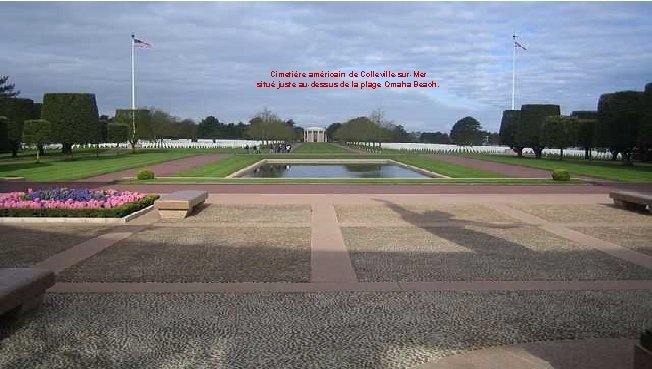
(207, 57)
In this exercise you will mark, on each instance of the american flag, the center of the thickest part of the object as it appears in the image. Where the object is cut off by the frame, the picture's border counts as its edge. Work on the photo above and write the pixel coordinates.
(140, 43)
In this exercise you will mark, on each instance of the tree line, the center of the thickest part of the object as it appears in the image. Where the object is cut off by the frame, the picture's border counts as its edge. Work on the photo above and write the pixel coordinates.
(72, 118)
(376, 129)
(622, 125)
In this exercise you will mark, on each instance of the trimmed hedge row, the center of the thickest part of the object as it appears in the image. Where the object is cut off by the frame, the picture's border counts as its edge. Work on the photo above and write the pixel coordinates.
(117, 212)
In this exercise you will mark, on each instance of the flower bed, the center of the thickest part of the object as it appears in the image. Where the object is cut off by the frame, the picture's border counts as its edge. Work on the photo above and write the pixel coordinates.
(73, 203)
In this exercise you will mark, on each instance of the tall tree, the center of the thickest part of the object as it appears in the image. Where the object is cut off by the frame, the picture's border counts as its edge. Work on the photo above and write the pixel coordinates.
(467, 131)
(140, 121)
(37, 132)
(528, 132)
(7, 89)
(491, 138)
(399, 134)
(435, 138)
(209, 128)
(586, 121)
(117, 133)
(330, 130)
(558, 132)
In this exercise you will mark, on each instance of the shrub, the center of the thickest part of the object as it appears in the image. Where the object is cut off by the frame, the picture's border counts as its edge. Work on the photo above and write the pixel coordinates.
(145, 174)
(646, 339)
(560, 175)
(528, 131)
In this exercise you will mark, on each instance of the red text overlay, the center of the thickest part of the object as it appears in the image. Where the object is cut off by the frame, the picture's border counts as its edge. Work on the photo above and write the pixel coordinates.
(361, 80)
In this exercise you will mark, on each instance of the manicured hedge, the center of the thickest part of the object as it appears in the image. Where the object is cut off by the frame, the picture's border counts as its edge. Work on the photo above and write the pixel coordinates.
(117, 212)
(508, 126)
(17, 111)
(4, 137)
(74, 117)
(528, 133)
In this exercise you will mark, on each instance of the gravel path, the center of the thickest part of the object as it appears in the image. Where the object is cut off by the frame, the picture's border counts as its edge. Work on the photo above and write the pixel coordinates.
(201, 255)
(26, 245)
(478, 253)
(328, 330)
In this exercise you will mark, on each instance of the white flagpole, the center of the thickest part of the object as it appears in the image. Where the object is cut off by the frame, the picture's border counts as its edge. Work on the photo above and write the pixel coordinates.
(513, 68)
(133, 87)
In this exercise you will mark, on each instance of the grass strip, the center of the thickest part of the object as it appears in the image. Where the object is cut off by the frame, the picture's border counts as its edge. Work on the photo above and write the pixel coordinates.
(615, 171)
(320, 148)
(86, 166)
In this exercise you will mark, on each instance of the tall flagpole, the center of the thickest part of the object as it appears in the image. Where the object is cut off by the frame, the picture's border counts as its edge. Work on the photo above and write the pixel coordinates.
(133, 88)
(513, 68)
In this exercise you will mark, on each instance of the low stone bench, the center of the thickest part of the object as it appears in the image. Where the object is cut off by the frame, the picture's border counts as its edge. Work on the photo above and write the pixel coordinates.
(21, 289)
(631, 200)
(177, 205)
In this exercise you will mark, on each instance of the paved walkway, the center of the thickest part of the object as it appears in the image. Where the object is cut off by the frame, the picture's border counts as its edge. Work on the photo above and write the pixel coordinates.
(164, 169)
(332, 270)
(597, 353)
(505, 169)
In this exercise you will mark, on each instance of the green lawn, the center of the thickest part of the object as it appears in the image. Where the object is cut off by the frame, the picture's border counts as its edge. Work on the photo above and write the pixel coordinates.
(615, 171)
(222, 168)
(447, 169)
(320, 148)
(83, 166)
(229, 165)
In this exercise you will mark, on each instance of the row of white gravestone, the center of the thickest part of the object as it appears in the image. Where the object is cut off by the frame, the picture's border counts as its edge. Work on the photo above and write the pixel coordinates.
(442, 148)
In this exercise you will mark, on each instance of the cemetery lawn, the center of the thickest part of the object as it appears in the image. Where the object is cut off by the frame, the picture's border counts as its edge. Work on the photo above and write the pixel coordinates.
(615, 171)
(59, 168)
(320, 147)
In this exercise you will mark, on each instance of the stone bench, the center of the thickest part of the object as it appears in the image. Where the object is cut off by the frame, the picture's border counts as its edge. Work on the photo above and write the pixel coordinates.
(177, 205)
(21, 289)
(631, 200)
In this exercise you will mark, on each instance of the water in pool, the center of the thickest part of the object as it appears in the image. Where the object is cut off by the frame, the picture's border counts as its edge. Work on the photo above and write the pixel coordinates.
(332, 171)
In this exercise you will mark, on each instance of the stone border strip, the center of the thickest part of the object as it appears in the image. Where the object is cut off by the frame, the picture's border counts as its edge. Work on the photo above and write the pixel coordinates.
(560, 230)
(329, 258)
(85, 250)
(253, 287)
(127, 218)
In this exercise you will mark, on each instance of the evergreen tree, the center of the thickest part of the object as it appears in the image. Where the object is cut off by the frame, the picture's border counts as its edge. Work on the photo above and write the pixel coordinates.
(7, 89)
